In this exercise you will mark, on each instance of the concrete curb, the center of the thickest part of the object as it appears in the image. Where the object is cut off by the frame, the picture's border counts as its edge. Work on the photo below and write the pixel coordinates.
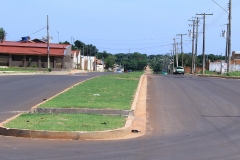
(136, 96)
(76, 135)
(83, 110)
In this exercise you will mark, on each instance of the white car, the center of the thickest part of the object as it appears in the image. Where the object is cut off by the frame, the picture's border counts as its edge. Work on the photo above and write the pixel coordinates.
(118, 71)
(179, 70)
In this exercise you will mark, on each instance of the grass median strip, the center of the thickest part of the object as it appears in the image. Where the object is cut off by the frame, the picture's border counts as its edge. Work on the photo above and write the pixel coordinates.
(107, 92)
(115, 91)
(66, 122)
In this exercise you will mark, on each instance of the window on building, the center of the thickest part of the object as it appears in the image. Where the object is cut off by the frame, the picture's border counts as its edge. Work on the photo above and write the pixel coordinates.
(44, 58)
(17, 57)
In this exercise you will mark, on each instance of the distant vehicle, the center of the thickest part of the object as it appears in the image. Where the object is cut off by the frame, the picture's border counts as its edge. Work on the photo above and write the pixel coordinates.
(129, 70)
(118, 71)
(179, 70)
(164, 72)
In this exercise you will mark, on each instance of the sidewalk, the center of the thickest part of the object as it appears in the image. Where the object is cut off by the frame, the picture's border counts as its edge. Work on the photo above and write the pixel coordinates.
(62, 72)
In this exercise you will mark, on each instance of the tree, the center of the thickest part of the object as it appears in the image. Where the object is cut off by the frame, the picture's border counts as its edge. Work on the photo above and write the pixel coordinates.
(132, 61)
(79, 44)
(66, 42)
(103, 55)
(2, 34)
(187, 61)
(110, 61)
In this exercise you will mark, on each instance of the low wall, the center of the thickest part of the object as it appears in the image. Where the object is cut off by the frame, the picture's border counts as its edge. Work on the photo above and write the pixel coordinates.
(222, 66)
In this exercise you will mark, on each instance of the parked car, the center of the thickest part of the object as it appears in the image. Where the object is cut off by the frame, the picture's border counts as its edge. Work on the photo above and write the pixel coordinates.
(118, 71)
(164, 72)
(179, 70)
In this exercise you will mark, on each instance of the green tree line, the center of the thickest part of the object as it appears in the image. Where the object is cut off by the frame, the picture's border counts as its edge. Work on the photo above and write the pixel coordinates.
(130, 61)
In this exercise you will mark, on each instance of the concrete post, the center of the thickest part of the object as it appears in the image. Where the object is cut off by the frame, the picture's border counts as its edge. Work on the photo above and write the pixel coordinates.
(39, 62)
(10, 60)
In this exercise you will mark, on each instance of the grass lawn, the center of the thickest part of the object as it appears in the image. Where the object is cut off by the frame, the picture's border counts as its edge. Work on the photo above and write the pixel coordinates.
(18, 69)
(114, 91)
(209, 72)
(236, 73)
(67, 122)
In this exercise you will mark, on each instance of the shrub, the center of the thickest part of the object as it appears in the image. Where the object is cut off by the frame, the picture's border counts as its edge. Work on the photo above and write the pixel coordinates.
(49, 69)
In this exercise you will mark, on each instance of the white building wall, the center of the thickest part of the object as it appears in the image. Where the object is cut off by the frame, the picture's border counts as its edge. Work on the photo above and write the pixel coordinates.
(222, 67)
(89, 60)
(82, 62)
(90, 63)
(74, 60)
(215, 66)
(79, 58)
(100, 68)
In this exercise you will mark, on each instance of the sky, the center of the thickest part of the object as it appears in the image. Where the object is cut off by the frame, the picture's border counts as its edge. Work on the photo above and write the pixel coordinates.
(123, 26)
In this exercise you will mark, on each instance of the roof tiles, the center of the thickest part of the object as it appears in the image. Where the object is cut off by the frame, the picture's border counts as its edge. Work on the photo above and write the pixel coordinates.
(11, 47)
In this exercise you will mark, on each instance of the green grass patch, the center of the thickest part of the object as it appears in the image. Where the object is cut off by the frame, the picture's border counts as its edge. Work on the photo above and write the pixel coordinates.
(129, 75)
(114, 91)
(235, 74)
(66, 122)
(18, 69)
(209, 72)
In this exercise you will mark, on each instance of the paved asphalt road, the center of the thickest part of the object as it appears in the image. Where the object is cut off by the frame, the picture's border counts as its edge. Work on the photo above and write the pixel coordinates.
(21, 92)
(189, 118)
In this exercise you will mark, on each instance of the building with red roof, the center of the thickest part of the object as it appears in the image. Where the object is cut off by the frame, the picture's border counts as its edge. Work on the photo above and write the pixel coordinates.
(30, 53)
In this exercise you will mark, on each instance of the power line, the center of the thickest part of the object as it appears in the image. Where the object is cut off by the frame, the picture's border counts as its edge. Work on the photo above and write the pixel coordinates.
(206, 5)
(37, 31)
(220, 6)
(131, 43)
(137, 48)
(124, 39)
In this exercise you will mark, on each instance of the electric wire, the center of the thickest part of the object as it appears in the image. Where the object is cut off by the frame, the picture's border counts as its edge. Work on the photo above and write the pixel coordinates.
(38, 31)
(136, 47)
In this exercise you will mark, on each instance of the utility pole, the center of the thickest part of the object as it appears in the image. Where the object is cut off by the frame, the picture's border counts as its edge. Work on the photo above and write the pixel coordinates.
(72, 40)
(203, 50)
(181, 46)
(229, 35)
(171, 62)
(82, 64)
(48, 45)
(195, 57)
(193, 37)
(228, 44)
(225, 35)
(175, 51)
(58, 36)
